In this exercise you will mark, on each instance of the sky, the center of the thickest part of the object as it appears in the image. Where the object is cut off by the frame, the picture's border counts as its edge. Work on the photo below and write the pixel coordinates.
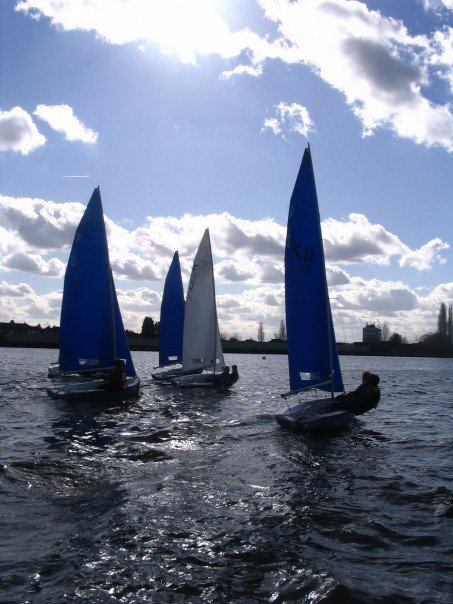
(195, 114)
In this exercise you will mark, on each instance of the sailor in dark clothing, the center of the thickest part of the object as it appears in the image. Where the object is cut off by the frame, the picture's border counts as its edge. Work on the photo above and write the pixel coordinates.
(116, 379)
(365, 382)
(219, 378)
(232, 378)
(361, 400)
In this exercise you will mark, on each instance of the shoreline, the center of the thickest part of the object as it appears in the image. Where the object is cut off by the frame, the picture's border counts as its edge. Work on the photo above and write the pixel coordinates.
(137, 343)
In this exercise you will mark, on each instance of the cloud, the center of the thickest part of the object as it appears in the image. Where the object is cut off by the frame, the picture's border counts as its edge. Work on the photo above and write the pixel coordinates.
(245, 251)
(385, 73)
(18, 132)
(441, 58)
(373, 60)
(136, 304)
(22, 303)
(382, 69)
(292, 118)
(382, 298)
(135, 268)
(33, 263)
(15, 291)
(39, 224)
(423, 258)
(250, 270)
(230, 271)
(62, 119)
(438, 5)
(183, 29)
(251, 70)
(229, 235)
(35, 237)
(359, 241)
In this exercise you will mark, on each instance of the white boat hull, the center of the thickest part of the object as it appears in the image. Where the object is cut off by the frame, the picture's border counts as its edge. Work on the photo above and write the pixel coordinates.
(92, 391)
(315, 415)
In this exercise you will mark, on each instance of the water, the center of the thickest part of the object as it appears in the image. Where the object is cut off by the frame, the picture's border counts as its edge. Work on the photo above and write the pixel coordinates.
(200, 497)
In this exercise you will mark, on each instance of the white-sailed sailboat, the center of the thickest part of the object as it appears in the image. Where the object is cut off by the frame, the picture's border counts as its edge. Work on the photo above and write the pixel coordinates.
(202, 347)
(312, 351)
(92, 334)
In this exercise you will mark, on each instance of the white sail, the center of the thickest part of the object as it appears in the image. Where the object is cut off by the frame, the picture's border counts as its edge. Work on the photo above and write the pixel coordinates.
(201, 340)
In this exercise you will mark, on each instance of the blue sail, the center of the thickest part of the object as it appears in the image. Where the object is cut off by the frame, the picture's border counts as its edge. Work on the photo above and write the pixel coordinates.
(121, 346)
(90, 325)
(172, 316)
(312, 352)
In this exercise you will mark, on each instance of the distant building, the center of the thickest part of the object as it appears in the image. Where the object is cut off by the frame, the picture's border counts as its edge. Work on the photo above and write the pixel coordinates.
(371, 333)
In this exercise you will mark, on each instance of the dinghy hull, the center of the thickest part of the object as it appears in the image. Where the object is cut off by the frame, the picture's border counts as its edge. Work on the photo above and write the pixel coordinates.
(202, 380)
(170, 374)
(314, 416)
(92, 392)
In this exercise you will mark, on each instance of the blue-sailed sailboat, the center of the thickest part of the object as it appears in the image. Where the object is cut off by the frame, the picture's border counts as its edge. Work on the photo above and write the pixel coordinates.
(312, 352)
(92, 334)
(171, 323)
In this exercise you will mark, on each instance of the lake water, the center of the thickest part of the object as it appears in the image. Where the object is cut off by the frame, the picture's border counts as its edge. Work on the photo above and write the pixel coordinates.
(201, 497)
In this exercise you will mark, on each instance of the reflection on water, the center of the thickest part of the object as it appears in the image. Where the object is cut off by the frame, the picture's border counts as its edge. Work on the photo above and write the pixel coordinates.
(200, 497)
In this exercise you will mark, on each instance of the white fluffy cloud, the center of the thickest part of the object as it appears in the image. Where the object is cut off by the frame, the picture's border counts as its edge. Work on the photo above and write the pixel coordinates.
(384, 72)
(245, 251)
(292, 118)
(25, 305)
(438, 5)
(373, 60)
(36, 224)
(62, 119)
(36, 236)
(33, 263)
(423, 258)
(18, 132)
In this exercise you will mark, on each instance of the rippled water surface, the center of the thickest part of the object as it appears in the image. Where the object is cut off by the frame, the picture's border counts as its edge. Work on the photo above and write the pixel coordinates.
(200, 497)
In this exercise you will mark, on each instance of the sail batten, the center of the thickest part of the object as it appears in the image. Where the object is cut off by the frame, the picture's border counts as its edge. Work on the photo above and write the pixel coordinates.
(312, 354)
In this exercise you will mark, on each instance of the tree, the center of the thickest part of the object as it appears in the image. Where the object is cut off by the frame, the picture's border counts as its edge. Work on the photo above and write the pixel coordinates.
(396, 339)
(150, 329)
(385, 331)
(282, 331)
(235, 338)
(442, 320)
(260, 332)
(450, 324)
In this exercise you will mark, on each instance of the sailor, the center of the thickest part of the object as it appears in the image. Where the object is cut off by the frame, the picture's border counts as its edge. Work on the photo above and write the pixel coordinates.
(365, 382)
(361, 400)
(219, 378)
(232, 378)
(116, 379)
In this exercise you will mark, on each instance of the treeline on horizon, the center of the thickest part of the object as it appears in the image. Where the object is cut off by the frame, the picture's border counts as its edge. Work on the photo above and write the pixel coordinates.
(439, 342)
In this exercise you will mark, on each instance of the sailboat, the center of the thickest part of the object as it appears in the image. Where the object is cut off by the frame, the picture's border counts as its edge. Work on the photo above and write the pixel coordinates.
(171, 323)
(92, 334)
(312, 352)
(202, 354)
